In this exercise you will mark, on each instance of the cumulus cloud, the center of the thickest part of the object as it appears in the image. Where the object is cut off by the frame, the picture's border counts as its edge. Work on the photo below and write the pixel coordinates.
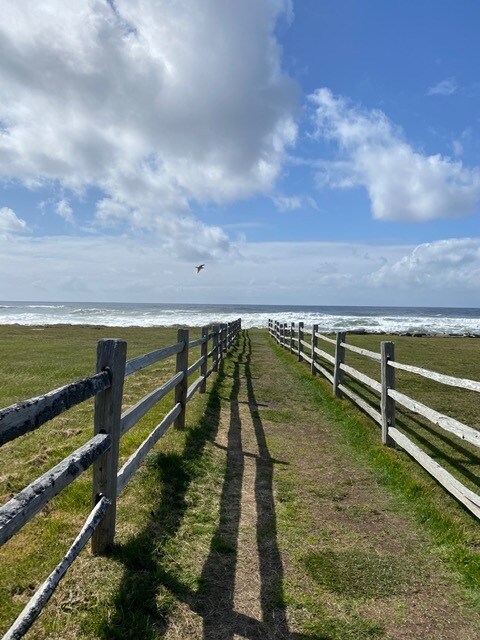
(445, 264)
(444, 88)
(157, 104)
(402, 183)
(10, 222)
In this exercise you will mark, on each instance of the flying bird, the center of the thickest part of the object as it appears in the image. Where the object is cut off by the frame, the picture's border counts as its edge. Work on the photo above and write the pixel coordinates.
(200, 267)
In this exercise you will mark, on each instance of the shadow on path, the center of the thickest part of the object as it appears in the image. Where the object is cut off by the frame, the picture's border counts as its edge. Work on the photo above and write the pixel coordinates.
(137, 614)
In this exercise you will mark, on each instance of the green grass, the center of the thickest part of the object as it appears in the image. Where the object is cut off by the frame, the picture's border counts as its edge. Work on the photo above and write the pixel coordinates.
(454, 531)
(172, 516)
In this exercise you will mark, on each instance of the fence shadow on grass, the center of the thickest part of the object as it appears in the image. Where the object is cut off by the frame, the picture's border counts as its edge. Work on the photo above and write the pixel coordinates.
(137, 613)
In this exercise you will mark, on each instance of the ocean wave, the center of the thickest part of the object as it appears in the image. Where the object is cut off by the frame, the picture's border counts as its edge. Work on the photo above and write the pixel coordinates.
(329, 320)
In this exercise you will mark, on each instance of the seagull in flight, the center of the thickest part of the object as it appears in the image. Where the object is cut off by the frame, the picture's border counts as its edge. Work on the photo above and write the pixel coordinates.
(199, 267)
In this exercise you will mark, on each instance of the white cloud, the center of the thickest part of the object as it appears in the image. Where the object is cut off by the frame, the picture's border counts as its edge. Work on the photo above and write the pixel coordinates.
(444, 88)
(291, 203)
(10, 222)
(64, 210)
(155, 103)
(442, 265)
(122, 268)
(403, 184)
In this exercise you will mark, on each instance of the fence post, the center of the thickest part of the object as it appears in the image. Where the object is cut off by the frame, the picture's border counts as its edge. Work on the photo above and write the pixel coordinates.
(339, 359)
(182, 386)
(203, 367)
(292, 331)
(111, 356)
(388, 382)
(224, 339)
(300, 338)
(314, 346)
(215, 331)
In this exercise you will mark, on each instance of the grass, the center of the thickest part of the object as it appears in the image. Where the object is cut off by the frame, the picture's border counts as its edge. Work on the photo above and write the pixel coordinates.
(454, 531)
(347, 532)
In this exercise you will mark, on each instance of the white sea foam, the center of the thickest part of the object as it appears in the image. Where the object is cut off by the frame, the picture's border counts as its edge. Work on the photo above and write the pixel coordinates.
(329, 319)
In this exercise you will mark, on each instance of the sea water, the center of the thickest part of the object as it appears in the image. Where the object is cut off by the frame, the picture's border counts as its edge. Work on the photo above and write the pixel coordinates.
(429, 320)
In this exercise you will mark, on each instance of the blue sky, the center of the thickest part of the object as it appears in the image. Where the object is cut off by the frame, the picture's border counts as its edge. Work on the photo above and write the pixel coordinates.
(309, 152)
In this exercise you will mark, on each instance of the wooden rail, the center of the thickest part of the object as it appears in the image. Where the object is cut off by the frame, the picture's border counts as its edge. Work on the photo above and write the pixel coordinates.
(384, 390)
(102, 450)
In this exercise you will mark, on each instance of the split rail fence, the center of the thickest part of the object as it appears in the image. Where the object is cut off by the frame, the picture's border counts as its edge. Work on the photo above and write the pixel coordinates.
(102, 450)
(294, 340)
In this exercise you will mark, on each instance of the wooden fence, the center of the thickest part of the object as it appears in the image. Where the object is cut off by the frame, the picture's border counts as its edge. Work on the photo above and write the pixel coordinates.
(294, 340)
(102, 450)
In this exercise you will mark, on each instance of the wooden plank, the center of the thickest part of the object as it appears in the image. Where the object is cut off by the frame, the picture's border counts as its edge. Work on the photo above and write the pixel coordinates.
(326, 339)
(364, 352)
(462, 383)
(196, 365)
(43, 594)
(468, 498)
(462, 431)
(181, 388)
(22, 507)
(135, 460)
(133, 414)
(111, 354)
(23, 417)
(324, 371)
(325, 355)
(370, 382)
(196, 343)
(140, 362)
(377, 416)
(307, 358)
(306, 344)
(193, 388)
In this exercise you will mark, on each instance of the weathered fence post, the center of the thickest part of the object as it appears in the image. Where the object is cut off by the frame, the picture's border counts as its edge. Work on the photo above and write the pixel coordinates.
(314, 346)
(204, 365)
(111, 356)
(182, 386)
(216, 336)
(292, 331)
(224, 339)
(339, 360)
(388, 382)
(300, 338)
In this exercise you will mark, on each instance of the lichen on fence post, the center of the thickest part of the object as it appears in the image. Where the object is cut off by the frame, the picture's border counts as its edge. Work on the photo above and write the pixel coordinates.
(111, 356)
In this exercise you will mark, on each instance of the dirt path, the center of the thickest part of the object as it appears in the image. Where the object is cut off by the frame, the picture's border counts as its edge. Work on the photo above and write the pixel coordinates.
(307, 544)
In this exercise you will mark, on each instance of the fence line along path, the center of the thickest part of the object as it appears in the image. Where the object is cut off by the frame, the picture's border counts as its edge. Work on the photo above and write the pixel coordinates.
(102, 450)
(294, 340)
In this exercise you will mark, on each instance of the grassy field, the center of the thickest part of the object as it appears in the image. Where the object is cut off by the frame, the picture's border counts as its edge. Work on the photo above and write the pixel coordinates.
(175, 517)
(453, 356)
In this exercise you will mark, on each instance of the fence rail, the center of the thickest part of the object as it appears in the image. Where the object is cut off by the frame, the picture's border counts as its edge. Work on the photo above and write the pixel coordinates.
(102, 450)
(286, 336)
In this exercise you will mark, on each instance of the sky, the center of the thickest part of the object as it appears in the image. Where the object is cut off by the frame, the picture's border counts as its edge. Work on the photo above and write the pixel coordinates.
(318, 152)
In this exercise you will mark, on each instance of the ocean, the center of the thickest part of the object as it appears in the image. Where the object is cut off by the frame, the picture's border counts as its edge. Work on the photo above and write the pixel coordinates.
(429, 320)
